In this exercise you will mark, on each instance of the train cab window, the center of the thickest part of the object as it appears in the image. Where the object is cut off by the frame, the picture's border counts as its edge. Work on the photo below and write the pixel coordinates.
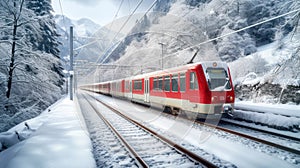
(160, 83)
(193, 81)
(175, 83)
(182, 82)
(167, 83)
(218, 79)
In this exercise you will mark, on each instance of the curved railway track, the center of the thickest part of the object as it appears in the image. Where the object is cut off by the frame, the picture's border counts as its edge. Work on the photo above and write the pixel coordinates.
(228, 121)
(146, 146)
(279, 150)
(294, 140)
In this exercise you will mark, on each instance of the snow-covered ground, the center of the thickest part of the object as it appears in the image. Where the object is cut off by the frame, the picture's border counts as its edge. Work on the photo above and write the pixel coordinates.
(59, 139)
(56, 138)
(282, 109)
(281, 116)
(236, 150)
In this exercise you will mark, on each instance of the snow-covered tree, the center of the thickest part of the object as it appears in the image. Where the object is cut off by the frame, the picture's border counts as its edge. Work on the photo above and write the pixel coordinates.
(16, 20)
(29, 80)
(48, 39)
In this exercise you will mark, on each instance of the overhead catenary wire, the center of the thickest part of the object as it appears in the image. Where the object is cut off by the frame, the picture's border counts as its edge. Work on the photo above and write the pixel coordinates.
(148, 10)
(236, 31)
(62, 13)
(151, 6)
(228, 34)
(116, 35)
(115, 16)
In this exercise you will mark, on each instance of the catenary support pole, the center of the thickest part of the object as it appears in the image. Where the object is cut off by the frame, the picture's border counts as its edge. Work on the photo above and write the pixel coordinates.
(71, 63)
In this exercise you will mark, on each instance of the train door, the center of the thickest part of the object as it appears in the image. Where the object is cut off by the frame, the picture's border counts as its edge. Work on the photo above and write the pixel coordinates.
(146, 90)
(130, 90)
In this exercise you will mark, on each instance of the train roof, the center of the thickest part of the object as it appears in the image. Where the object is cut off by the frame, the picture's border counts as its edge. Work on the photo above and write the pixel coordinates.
(172, 70)
(181, 68)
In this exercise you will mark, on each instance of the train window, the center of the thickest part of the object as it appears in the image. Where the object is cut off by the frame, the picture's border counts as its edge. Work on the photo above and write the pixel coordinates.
(160, 83)
(182, 82)
(127, 85)
(155, 83)
(167, 83)
(137, 85)
(193, 81)
(218, 79)
(175, 83)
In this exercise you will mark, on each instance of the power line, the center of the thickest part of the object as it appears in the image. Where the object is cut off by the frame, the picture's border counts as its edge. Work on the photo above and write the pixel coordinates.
(115, 16)
(138, 5)
(116, 33)
(242, 29)
(121, 29)
(62, 13)
(245, 28)
(148, 10)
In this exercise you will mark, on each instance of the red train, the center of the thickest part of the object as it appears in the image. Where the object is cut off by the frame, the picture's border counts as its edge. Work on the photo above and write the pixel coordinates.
(201, 88)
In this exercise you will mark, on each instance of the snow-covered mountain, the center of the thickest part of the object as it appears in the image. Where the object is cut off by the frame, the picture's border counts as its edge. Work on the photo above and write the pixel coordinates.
(82, 28)
(90, 41)
(176, 29)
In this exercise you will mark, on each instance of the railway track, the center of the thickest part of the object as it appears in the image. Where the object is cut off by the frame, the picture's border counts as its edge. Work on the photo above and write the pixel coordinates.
(107, 149)
(281, 140)
(282, 151)
(228, 121)
(147, 147)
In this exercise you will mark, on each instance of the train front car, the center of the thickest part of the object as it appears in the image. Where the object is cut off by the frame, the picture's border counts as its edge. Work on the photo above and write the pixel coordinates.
(216, 93)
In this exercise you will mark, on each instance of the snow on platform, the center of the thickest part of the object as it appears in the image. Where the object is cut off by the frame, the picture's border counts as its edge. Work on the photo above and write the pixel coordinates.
(54, 139)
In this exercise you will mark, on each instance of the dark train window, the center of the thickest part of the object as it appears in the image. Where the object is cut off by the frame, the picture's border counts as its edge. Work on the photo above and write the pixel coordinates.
(193, 81)
(160, 83)
(137, 85)
(127, 85)
(175, 83)
(167, 83)
(182, 82)
(155, 83)
(218, 79)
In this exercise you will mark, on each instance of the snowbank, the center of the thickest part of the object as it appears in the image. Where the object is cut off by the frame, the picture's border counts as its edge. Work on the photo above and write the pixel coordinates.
(280, 116)
(282, 109)
(57, 138)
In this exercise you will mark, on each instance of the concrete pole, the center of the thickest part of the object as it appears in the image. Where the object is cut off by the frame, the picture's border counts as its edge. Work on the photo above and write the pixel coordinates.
(71, 63)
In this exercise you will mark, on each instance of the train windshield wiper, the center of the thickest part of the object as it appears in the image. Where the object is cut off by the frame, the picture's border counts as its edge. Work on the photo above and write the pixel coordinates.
(222, 88)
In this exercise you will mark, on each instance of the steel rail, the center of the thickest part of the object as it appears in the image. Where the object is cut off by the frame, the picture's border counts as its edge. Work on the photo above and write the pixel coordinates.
(291, 150)
(138, 158)
(179, 148)
(285, 148)
(261, 130)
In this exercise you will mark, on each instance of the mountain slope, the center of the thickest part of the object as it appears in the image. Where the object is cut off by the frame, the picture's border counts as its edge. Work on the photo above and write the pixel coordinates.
(176, 29)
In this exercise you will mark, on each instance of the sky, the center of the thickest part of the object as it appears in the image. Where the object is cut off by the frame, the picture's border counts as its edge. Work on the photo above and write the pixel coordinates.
(101, 12)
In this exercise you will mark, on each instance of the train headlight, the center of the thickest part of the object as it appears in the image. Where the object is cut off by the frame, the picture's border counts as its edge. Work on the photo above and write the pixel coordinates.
(214, 64)
(212, 99)
(231, 98)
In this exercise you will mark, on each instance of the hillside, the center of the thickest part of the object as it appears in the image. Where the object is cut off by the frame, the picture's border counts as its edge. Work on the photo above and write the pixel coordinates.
(176, 29)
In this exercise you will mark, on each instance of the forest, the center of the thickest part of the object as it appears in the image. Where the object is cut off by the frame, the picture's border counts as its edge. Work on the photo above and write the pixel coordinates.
(31, 74)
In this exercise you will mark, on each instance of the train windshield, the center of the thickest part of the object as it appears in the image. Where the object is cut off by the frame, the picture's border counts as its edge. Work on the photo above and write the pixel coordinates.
(217, 79)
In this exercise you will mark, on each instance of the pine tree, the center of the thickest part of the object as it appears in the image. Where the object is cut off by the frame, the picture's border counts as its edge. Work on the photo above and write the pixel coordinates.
(32, 79)
(48, 40)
